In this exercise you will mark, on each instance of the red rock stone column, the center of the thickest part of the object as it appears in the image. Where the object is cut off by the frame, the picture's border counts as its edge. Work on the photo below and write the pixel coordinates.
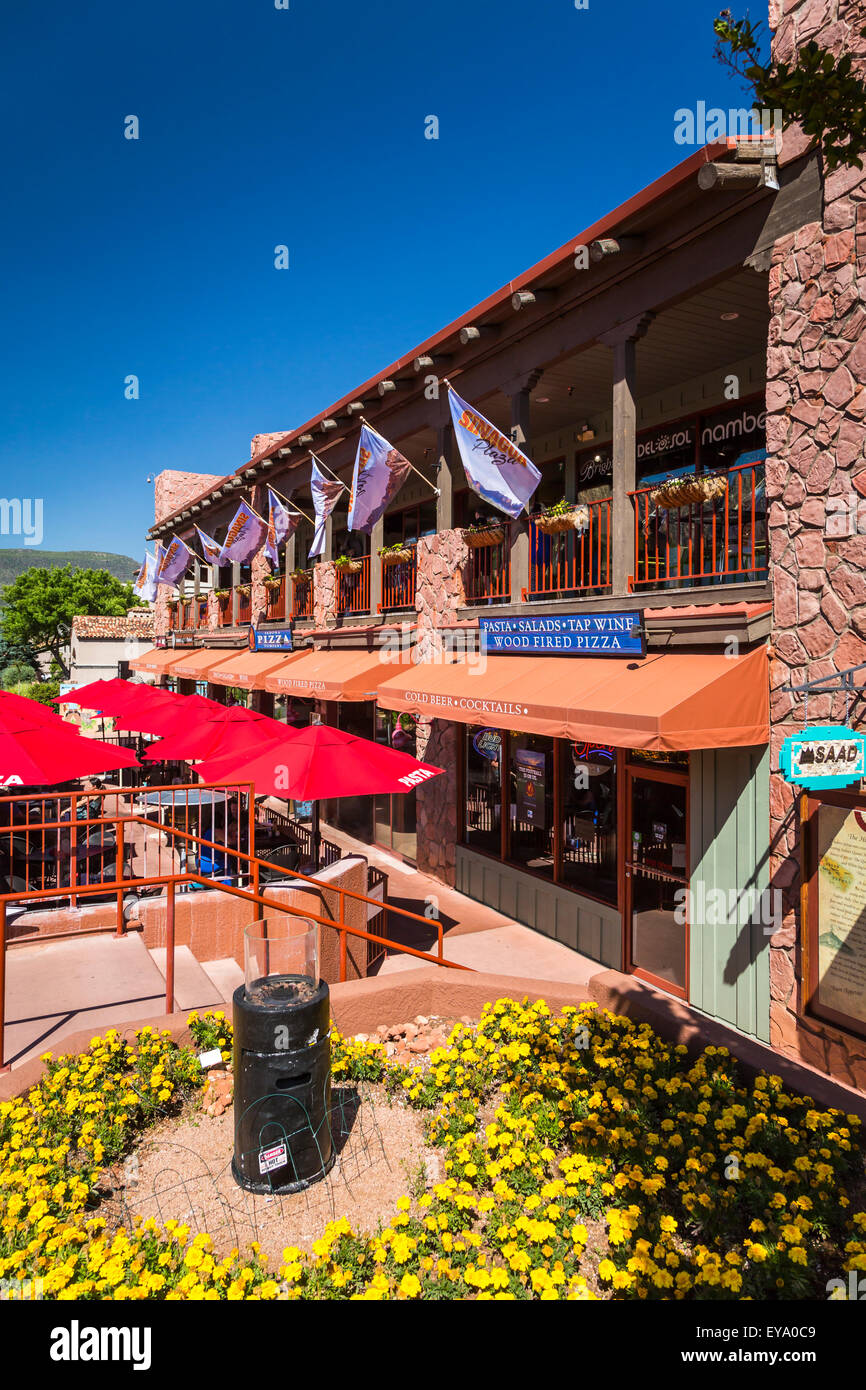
(816, 472)
(324, 593)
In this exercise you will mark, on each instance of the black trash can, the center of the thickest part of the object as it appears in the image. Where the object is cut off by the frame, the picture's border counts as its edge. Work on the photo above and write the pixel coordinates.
(282, 1084)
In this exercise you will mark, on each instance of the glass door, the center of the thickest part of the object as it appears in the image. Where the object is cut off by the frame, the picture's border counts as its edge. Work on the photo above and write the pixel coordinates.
(656, 878)
(394, 816)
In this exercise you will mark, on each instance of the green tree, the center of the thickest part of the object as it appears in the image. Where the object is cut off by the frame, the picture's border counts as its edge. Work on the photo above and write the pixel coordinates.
(38, 607)
(820, 92)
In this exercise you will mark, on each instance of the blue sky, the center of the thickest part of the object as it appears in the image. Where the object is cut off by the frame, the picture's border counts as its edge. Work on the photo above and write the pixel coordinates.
(302, 127)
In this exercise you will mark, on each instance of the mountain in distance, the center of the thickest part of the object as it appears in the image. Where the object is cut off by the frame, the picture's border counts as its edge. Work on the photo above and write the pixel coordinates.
(14, 562)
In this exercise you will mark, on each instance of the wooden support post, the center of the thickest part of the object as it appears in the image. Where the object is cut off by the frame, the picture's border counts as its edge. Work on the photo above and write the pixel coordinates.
(3, 1066)
(623, 339)
(518, 391)
(445, 477)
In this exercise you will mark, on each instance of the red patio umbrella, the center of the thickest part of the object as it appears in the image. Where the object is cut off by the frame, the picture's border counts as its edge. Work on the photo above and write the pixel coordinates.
(104, 696)
(29, 709)
(34, 754)
(165, 717)
(221, 733)
(317, 762)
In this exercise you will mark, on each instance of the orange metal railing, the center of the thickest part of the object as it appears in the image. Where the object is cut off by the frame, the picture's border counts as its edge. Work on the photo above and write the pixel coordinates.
(276, 600)
(398, 583)
(488, 570)
(224, 610)
(711, 542)
(353, 588)
(245, 603)
(184, 844)
(573, 561)
(302, 597)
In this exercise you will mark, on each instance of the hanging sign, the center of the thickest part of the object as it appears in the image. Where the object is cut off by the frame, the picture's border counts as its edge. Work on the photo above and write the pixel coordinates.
(271, 639)
(567, 634)
(826, 755)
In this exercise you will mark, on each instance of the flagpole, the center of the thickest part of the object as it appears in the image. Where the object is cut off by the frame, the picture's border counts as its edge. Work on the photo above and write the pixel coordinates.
(294, 506)
(322, 464)
(437, 490)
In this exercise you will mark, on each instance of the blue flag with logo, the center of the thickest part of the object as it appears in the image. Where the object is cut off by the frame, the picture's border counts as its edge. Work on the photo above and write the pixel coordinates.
(494, 466)
(380, 472)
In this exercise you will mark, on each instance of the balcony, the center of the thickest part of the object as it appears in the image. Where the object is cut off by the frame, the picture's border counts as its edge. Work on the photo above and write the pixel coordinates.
(714, 540)
(200, 607)
(488, 568)
(574, 560)
(398, 580)
(245, 603)
(276, 600)
(224, 609)
(353, 587)
(302, 595)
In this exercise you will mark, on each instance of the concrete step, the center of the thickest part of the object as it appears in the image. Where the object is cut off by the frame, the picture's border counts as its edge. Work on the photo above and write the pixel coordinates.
(226, 975)
(193, 988)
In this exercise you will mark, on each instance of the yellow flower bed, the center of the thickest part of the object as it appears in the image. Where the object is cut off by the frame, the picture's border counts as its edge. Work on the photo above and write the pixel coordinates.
(702, 1186)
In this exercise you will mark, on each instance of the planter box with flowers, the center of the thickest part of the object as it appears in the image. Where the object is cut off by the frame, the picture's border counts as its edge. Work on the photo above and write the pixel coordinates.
(300, 576)
(688, 490)
(347, 565)
(273, 581)
(488, 533)
(397, 554)
(563, 516)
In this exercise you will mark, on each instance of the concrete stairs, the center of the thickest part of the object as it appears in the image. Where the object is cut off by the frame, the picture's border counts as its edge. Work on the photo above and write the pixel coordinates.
(199, 986)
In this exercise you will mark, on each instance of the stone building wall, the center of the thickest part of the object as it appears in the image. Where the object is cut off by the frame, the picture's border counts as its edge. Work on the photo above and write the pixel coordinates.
(816, 472)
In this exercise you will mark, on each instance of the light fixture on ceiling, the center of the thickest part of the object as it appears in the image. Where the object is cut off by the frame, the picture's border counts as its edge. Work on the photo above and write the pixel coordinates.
(542, 400)
(729, 317)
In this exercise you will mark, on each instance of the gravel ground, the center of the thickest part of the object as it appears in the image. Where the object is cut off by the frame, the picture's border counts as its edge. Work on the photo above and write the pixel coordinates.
(182, 1170)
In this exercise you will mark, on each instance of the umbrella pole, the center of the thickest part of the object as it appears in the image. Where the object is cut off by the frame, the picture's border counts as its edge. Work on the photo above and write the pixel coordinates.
(316, 838)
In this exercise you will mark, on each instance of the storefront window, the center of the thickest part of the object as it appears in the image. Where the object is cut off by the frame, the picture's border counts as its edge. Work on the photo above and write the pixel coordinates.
(394, 816)
(589, 818)
(531, 818)
(650, 758)
(483, 773)
(837, 910)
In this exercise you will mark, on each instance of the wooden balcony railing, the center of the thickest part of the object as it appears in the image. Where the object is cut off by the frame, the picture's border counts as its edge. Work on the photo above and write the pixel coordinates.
(398, 583)
(245, 603)
(719, 541)
(302, 597)
(488, 569)
(353, 588)
(573, 561)
(186, 615)
(276, 600)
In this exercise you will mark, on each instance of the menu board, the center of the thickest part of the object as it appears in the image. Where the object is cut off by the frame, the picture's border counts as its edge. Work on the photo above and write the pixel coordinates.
(842, 911)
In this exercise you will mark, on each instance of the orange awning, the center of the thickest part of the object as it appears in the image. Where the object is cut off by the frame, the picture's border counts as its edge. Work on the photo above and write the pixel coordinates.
(158, 660)
(349, 675)
(248, 669)
(195, 665)
(670, 702)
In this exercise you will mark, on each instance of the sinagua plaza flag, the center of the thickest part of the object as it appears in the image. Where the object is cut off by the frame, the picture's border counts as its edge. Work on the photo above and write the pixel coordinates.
(281, 524)
(145, 585)
(495, 468)
(209, 547)
(174, 562)
(325, 493)
(380, 472)
(244, 536)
